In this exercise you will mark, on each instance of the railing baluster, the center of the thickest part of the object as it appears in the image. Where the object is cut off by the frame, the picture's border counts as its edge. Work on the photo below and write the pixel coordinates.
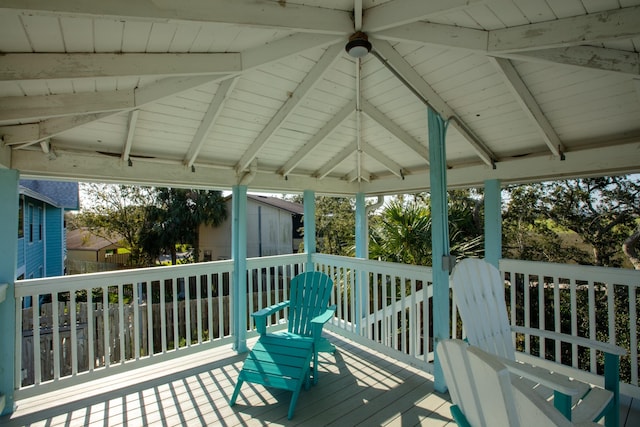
(592, 322)
(121, 323)
(74, 333)
(35, 310)
(574, 321)
(176, 315)
(633, 335)
(151, 350)
(199, 307)
(557, 326)
(136, 320)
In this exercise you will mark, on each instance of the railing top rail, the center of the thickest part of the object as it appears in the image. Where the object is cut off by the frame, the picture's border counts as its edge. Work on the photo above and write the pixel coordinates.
(276, 260)
(588, 272)
(109, 278)
(373, 265)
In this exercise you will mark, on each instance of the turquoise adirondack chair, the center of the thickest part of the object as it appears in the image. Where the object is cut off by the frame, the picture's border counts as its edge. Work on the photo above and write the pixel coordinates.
(289, 359)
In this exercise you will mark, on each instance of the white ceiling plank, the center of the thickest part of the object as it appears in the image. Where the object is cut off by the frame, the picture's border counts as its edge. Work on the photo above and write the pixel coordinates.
(240, 12)
(323, 133)
(28, 66)
(327, 58)
(209, 119)
(435, 101)
(34, 132)
(528, 103)
(42, 107)
(384, 160)
(400, 12)
(131, 130)
(597, 58)
(371, 111)
(585, 29)
(438, 35)
(285, 47)
(335, 162)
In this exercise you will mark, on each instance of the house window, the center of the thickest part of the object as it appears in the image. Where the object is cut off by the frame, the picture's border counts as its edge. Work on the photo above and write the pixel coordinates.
(21, 218)
(30, 223)
(40, 221)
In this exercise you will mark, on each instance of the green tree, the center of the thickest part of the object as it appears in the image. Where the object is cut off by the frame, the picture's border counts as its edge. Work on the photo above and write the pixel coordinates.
(603, 212)
(175, 218)
(115, 212)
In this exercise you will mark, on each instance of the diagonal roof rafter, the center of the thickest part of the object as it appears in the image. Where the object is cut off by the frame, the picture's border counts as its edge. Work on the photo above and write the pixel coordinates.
(213, 112)
(307, 83)
(317, 139)
(529, 105)
(428, 95)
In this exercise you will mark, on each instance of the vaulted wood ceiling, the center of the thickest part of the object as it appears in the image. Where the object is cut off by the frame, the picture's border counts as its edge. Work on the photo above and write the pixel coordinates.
(212, 93)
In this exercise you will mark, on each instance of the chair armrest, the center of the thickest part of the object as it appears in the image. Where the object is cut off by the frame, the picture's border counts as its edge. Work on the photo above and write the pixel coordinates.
(318, 322)
(581, 341)
(260, 316)
(554, 381)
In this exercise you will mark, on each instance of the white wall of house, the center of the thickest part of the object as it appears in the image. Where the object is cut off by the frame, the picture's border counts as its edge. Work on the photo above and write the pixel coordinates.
(269, 232)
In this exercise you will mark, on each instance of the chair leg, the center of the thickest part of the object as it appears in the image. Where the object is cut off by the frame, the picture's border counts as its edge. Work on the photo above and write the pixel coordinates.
(294, 400)
(236, 391)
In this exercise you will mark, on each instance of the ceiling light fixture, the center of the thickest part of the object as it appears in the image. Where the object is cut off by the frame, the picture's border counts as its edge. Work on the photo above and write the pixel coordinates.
(358, 45)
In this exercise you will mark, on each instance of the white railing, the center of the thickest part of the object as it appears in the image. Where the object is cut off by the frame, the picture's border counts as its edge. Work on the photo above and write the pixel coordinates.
(594, 302)
(382, 302)
(133, 318)
(88, 326)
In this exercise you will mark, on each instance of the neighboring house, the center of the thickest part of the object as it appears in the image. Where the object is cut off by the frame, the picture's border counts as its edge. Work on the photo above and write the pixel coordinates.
(87, 252)
(41, 227)
(273, 228)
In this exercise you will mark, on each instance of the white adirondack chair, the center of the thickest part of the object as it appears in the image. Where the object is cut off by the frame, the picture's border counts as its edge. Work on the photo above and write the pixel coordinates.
(478, 292)
(485, 394)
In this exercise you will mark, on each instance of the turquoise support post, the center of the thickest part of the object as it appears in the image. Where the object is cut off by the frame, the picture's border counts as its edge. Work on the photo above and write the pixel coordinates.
(492, 222)
(8, 261)
(362, 284)
(439, 237)
(239, 255)
(309, 201)
(612, 383)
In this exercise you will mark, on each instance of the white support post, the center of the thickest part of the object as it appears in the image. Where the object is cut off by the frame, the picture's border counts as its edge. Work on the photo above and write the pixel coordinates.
(239, 255)
(8, 261)
(492, 222)
(439, 237)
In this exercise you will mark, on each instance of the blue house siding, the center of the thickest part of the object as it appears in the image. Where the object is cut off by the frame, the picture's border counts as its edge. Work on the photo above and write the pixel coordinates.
(55, 239)
(34, 238)
(42, 249)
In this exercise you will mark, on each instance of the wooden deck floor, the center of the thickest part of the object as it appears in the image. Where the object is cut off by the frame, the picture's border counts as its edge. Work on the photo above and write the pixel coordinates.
(358, 386)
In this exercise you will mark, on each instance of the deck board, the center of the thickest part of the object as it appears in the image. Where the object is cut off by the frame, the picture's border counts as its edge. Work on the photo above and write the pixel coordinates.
(358, 386)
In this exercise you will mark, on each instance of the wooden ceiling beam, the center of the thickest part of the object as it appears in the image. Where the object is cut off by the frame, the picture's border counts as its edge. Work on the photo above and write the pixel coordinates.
(268, 14)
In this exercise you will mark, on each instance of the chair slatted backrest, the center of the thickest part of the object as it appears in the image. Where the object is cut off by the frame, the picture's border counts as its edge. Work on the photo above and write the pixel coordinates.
(309, 297)
(460, 380)
(478, 292)
(493, 388)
